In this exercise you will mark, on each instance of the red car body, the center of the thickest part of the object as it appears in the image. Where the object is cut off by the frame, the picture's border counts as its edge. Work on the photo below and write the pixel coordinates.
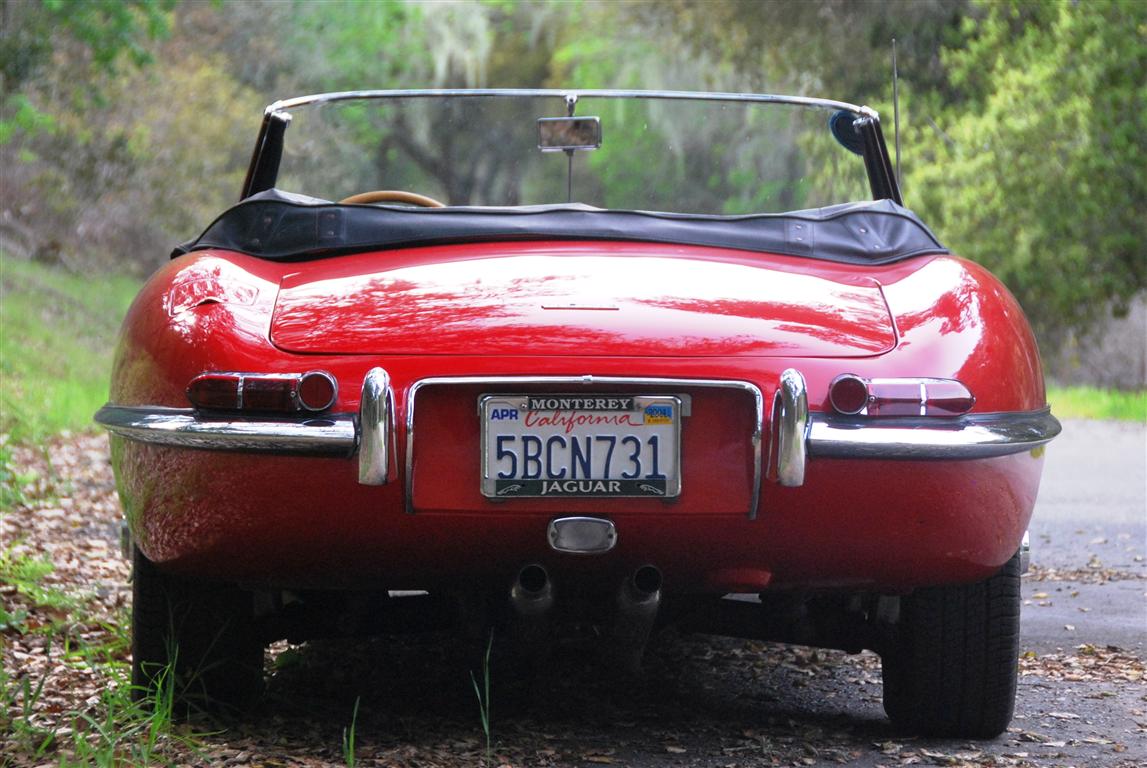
(387, 494)
(262, 519)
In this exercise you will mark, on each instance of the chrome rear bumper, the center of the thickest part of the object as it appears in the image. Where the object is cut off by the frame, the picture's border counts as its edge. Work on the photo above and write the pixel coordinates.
(979, 436)
(334, 435)
(800, 434)
(797, 436)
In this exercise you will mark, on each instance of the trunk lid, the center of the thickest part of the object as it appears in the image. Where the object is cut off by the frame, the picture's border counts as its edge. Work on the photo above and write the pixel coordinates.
(637, 301)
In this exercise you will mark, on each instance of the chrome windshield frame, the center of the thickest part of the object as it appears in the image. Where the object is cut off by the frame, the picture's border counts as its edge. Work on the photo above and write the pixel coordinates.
(263, 170)
(564, 93)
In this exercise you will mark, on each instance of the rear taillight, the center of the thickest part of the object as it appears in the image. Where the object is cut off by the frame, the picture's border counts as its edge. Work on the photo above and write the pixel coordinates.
(216, 390)
(848, 394)
(283, 392)
(317, 390)
(852, 395)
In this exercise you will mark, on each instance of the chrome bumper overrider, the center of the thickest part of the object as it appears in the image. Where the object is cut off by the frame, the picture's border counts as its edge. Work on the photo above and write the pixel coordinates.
(798, 434)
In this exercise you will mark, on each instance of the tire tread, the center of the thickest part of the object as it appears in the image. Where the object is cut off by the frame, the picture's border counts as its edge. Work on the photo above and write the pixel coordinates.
(952, 669)
(201, 632)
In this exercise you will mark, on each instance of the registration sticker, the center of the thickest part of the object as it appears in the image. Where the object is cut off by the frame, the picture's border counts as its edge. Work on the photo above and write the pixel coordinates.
(590, 445)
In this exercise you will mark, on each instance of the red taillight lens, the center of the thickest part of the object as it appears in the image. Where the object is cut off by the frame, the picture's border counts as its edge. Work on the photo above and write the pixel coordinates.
(848, 393)
(269, 393)
(947, 397)
(896, 397)
(281, 392)
(852, 395)
(317, 390)
(216, 390)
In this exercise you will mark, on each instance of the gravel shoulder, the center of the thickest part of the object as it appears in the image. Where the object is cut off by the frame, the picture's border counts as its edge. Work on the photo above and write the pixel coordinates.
(702, 701)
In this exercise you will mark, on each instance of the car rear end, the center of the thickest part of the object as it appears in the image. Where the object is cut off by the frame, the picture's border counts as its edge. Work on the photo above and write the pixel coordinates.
(689, 435)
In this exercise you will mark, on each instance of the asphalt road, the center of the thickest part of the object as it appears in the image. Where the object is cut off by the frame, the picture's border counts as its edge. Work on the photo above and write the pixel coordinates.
(1090, 521)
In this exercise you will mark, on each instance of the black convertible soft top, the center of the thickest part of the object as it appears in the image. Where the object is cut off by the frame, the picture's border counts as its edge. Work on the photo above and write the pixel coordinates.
(282, 226)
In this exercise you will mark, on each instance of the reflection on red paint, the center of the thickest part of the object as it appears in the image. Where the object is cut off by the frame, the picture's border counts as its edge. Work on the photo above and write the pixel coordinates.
(499, 299)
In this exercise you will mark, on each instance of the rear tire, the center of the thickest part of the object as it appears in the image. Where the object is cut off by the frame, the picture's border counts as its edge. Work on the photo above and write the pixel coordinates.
(951, 670)
(192, 640)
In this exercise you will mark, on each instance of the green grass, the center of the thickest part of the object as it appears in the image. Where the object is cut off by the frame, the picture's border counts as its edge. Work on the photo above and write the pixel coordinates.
(30, 599)
(1096, 403)
(349, 755)
(483, 694)
(121, 730)
(57, 335)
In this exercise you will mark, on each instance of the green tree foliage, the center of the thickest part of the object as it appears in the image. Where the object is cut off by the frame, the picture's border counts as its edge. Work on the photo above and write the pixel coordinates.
(103, 124)
(87, 38)
(837, 48)
(1036, 167)
(1024, 122)
(343, 46)
(349, 46)
(105, 32)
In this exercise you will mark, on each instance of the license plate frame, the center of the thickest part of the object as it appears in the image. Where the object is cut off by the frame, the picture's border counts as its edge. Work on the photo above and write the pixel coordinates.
(650, 419)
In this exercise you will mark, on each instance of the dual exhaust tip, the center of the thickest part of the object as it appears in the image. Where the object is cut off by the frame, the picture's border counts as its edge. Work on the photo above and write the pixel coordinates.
(533, 583)
(634, 611)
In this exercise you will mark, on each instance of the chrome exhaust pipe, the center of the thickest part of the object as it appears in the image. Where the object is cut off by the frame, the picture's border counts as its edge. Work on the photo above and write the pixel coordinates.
(531, 599)
(533, 592)
(637, 604)
(646, 583)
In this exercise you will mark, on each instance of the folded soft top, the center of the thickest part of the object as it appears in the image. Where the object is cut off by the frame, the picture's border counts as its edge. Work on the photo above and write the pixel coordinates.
(282, 226)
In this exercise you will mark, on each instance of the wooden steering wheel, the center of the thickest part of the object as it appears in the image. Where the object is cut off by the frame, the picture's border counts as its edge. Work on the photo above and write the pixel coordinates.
(392, 196)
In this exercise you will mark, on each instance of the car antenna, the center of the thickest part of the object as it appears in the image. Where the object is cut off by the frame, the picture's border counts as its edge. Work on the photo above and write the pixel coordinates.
(896, 114)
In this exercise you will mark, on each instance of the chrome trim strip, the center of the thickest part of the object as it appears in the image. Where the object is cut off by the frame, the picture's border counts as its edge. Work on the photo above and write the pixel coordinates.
(374, 417)
(565, 94)
(974, 436)
(790, 415)
(333, 435)
(754, 390)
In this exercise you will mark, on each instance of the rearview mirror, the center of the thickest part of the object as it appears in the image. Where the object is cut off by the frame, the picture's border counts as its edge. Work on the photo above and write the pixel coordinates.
(556, 134)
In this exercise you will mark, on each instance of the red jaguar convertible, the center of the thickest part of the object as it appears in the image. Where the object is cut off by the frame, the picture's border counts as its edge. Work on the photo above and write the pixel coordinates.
(492, 358)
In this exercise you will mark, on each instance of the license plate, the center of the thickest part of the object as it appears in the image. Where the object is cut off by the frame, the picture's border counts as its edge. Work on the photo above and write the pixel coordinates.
(581, 445)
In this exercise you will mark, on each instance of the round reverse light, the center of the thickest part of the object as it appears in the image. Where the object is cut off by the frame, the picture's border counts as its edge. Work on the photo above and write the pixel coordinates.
(317, 390)
(848, 393)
